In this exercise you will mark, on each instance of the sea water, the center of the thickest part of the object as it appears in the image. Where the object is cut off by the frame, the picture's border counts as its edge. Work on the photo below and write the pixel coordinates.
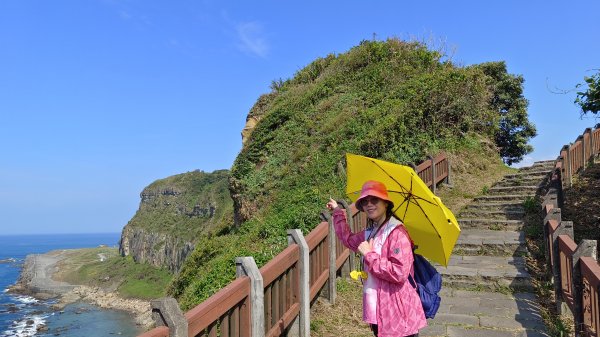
(22, 316)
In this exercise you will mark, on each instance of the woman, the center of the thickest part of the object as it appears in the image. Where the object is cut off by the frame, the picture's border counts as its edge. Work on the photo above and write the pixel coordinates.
(390, 304)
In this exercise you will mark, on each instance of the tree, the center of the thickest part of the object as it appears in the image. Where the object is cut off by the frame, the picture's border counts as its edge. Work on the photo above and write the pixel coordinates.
(514, 128)
(589, 100)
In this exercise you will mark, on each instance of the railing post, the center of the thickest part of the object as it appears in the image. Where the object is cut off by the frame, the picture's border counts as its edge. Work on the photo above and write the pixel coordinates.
(593, 144)
(328, 291)
(589, 146)
(295, 236)
(553, 214)
(582, 160)
(349, 264)
(567, 166)
(449, 177)
(433, 176)
(166, 312)
(332, 265)
(246, 266)
(585, 248)
(564, 227)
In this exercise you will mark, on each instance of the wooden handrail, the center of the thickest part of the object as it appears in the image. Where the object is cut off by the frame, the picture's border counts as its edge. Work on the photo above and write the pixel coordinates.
(575, 269)
(590, 271)
(210, 311)
(161, 331)
(279, 264)
(567, 247)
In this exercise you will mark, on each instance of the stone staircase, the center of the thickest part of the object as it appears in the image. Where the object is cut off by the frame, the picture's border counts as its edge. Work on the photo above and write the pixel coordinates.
(487, 288)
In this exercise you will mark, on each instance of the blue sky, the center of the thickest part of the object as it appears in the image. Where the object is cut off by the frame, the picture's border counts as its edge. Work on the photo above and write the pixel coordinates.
(99, 98)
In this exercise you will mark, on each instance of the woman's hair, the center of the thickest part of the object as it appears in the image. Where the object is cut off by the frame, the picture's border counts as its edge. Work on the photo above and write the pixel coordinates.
(389, 209)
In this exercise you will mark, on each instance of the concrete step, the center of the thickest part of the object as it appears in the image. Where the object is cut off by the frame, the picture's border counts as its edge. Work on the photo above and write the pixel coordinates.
(494, 206)
(539, 166)
(486, 272)
(535, 181)
(516, 189)
(493, 224)
(487, 314)
(514, 198)
(545, 163)
(528, 174)
(473, 241)
(497, 214)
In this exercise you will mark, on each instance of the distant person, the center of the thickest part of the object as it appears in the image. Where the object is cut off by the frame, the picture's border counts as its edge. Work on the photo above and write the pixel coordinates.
(391, 306)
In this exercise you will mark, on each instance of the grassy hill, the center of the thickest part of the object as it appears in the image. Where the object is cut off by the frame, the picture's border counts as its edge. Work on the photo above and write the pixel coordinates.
(394, 100)
(185, 205)
(174, 214)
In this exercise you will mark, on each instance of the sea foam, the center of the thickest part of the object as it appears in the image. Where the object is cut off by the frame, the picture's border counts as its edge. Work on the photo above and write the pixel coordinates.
(26, 327)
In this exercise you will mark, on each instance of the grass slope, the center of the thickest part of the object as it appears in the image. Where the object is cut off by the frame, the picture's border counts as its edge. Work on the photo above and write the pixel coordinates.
(103, 267)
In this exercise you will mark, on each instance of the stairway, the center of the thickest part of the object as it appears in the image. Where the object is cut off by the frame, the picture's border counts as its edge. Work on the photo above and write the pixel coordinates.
(487, 288)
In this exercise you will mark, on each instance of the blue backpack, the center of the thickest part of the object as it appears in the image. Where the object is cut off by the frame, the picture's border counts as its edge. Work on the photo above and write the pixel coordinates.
(427, 282)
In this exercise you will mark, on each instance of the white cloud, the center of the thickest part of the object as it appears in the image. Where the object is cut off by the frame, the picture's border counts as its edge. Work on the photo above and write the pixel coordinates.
(251, 38)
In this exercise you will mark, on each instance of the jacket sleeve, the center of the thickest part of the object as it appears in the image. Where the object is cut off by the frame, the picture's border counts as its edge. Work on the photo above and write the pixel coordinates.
(396, 265)
(343, 232)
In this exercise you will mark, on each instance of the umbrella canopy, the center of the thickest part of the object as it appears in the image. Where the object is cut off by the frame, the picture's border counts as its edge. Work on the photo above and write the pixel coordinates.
(431, 225)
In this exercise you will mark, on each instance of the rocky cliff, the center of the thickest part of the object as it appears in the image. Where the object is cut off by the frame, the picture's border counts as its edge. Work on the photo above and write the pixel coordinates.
(174, 214)
(158, 249)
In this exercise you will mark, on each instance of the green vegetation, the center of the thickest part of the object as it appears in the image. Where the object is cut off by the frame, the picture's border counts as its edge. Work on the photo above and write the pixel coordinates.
(531, 205)
(186, 205)
(103, 267)
(589, 100)
(582, 204)
(514, 129)
(394, 100)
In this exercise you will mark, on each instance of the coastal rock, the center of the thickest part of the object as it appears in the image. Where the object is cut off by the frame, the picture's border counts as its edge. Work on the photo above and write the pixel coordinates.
(35, 278)
(158, 249)
(260, 108)
(141, 309)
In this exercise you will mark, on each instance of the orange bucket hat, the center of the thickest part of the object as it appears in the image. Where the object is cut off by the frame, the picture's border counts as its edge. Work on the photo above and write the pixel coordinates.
(375, 189)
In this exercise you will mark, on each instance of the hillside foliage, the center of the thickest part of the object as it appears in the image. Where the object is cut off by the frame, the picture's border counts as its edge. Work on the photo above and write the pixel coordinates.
(394, 100)
(589, 100)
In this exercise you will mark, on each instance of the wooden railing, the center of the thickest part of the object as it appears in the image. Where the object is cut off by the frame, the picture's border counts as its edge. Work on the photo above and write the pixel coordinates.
(276, 298)
(576, 272)
(574, 157)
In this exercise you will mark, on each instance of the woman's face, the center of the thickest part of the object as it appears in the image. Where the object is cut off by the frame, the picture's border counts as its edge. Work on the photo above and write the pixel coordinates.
(374, 207)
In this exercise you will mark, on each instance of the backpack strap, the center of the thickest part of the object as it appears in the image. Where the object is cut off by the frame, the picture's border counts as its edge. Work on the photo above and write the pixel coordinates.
(411, 275)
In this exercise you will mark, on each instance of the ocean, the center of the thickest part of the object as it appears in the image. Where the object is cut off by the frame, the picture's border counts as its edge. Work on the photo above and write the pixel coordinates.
(22, 316)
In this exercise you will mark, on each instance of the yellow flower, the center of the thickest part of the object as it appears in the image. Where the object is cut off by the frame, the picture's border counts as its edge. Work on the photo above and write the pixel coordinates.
(355, 274)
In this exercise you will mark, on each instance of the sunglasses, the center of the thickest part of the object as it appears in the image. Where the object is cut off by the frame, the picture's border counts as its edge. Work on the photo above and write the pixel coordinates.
(369, 200)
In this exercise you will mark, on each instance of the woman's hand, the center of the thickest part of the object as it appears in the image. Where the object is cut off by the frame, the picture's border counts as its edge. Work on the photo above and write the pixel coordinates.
(365, 247)
(332, 204)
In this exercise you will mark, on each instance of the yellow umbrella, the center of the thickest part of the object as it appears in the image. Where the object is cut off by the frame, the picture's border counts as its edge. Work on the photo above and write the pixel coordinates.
(431, 225)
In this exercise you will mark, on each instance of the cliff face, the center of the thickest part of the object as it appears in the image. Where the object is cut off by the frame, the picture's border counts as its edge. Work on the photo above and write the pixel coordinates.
(174, 214)
(158, 249)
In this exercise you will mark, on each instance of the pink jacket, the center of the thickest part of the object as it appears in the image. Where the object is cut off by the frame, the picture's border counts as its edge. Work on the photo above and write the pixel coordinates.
(400, 312)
